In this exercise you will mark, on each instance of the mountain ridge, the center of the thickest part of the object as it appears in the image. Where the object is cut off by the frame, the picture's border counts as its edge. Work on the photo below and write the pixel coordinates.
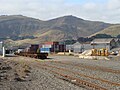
(112, 30)
(61, 28)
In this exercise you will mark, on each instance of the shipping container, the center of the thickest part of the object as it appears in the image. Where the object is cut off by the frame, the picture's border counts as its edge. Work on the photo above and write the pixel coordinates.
(40, 45)
(20, 50)
(62, 48)
(51, 43)
(45, 50)
(46, 46)
(54, 46)
(33, 47)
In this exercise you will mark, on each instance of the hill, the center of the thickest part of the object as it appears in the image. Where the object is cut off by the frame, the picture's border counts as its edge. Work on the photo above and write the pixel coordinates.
(74, 27)
(112, 30)
(18, 27)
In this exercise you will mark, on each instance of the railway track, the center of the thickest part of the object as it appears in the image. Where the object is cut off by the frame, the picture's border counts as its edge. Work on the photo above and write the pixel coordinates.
(78, 81)
(74, 80)
(89, 67)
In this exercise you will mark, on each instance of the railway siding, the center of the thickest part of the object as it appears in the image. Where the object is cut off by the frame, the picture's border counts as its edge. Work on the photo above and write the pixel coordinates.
(97, 81)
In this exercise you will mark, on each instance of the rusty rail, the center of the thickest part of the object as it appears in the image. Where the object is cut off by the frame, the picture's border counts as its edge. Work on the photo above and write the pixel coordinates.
(67, 70)
(77, 80)
(90, 67)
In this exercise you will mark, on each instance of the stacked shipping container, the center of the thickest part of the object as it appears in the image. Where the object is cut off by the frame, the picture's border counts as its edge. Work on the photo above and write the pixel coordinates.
(32, 48)
(48, 47)
(51, 47)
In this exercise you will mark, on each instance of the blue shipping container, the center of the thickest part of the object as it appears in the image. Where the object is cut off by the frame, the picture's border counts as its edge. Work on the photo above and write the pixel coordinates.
(45, 50)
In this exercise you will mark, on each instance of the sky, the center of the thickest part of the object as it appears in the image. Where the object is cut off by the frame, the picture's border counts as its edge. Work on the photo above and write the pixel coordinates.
(94, 10)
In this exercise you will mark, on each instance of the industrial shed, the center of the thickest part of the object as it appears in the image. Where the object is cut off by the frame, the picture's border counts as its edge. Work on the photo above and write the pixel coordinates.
(77, 47)
(87, 46)
(69, 47)
(117, 40)
(108, 43)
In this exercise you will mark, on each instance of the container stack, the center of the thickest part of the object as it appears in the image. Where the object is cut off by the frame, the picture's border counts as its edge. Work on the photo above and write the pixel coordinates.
(52, 47)
(32, 48)
(62, 48)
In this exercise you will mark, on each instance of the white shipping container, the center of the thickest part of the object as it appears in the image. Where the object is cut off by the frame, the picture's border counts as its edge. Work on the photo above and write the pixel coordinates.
(46, 46)
(20, 50)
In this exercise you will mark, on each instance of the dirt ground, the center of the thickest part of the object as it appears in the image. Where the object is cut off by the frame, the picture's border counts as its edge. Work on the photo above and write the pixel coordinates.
(24, 73)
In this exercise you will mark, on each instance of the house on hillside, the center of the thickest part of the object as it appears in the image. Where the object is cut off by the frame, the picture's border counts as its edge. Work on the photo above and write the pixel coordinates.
(108, 43)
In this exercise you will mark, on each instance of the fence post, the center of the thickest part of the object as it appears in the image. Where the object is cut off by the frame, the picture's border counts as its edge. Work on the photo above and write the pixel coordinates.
(3, 51)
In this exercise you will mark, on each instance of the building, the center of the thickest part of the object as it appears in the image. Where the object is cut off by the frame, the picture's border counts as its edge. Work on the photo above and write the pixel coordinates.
(77, 47)
(117, 42)
(108, 43)
(69, 48)
(87, 46)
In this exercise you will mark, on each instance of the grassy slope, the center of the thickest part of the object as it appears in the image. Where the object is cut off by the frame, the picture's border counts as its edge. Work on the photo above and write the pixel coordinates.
(112, 30)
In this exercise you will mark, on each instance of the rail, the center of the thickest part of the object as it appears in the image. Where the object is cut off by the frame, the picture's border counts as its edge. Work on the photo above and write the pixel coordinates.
(77, 81)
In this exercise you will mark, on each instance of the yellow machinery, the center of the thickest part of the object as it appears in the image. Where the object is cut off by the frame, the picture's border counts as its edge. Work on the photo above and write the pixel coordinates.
(100, 52)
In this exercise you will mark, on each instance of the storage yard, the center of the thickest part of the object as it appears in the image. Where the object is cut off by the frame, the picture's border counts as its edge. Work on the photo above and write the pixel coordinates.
(59, 73)
(57, 66)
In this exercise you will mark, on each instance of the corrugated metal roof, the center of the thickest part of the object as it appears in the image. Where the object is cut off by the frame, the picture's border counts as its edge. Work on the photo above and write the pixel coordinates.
(107, 40)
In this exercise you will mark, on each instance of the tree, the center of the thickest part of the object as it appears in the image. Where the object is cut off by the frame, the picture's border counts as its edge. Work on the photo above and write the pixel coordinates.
(82, 39)
(118, 36)
(102, 36)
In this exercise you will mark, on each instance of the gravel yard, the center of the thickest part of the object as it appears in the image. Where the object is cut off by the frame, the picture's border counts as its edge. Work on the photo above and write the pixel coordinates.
(24, 73)
(114, 63)
(34, 78)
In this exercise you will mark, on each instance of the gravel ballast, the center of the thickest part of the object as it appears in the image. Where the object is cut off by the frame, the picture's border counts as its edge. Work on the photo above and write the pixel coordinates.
(25, 73)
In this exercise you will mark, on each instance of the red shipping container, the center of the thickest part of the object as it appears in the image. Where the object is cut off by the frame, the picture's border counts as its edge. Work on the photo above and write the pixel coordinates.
(62, 48)
(52, 43)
